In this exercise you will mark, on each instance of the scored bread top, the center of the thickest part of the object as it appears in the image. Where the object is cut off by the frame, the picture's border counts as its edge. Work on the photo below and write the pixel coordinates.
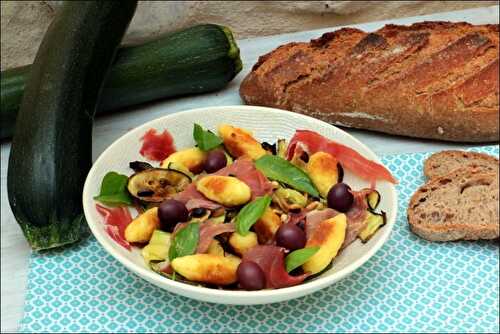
(429, 79)
(459, 205)
(444, 162)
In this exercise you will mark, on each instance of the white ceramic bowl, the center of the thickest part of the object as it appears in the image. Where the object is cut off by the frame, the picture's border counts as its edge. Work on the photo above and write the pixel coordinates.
(267, 124)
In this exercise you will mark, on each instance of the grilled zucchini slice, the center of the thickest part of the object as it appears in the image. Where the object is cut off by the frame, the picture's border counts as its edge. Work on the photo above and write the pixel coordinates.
(157, 184)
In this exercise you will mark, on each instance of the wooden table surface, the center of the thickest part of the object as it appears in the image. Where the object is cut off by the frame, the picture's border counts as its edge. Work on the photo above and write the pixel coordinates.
(15, 252)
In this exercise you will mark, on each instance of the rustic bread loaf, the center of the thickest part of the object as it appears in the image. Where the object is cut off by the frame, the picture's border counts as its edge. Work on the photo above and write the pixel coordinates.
(459, 205)
(444, 162)
(430, 80)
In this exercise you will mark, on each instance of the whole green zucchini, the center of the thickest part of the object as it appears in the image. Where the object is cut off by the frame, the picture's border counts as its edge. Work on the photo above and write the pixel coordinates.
(199, 59)
(51, 150)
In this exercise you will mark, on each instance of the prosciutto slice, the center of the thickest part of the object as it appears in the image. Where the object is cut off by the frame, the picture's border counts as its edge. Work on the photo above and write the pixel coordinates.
(245, 171)
(356, 217)
(155, 146)
(242, 169)
(116, 221)
(315, 217)
(314, 142)
(193, 199)
(271, 260)
(208, 231)
(204, 203)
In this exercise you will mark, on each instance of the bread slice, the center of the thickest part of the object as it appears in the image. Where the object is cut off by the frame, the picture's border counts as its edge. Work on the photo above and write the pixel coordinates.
(444, 162)
(459, 205)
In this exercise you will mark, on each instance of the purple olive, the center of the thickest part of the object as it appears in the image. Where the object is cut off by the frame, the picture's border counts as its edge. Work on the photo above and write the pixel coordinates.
(215, 160)
(171, 212)
(340, 197)
(251, 276)
(290, 237)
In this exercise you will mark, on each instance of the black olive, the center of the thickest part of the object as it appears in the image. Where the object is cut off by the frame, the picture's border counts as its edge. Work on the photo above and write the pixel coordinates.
(139, 166)
(290, 237)
(340, 197)
(171, 212)
(145, 193)
(198, 212)
(251, 276)
(215, 160)
(268, 147)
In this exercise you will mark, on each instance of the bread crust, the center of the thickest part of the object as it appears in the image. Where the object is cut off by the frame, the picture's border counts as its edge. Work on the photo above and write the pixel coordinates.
(455, 225)
(480, 161)
(434, 80)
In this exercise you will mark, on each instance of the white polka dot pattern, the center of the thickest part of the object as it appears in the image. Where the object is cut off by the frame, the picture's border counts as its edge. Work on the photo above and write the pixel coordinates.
(409, 285)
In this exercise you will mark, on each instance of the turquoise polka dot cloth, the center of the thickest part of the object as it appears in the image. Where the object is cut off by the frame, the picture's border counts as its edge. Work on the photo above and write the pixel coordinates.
(409, 285)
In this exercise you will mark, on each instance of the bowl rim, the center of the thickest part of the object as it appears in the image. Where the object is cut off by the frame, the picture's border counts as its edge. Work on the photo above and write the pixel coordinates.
(175, 286)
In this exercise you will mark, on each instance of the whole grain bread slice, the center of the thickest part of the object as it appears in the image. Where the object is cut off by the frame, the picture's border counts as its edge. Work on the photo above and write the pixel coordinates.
(460, 205)
(444, 162)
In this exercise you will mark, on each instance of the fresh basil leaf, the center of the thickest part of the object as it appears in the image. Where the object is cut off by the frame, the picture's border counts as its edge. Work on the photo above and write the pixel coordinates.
(281, 170)
(185, 241)
(251, 213)
(298, 257)
(114, 190)
(205, 139)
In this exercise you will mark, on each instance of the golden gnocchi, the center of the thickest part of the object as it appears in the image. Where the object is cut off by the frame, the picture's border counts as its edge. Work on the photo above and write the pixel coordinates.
(267, 225)
(207, 268)
(240, 142)
(329, 236)
(226, 190)
(322, 169)
(242, 243)
(191, 158)
(142, 227)
(215, 248)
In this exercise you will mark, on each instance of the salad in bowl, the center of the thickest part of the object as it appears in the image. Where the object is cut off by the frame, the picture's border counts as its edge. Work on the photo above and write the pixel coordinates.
(235, 213)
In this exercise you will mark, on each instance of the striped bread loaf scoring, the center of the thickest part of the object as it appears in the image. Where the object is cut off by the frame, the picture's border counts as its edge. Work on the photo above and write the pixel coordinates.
(431, 80)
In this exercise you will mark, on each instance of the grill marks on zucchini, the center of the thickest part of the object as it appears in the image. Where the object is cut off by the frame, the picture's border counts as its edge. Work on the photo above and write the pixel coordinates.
(157, 184)
(51, 151)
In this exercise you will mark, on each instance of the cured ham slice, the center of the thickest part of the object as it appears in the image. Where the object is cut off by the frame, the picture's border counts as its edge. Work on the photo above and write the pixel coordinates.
(314, 142)
(356, 217)
(245, 170)
(193, 199)
(208, 231)
(157, 147)
(271, 260)
(242, 169)
(315, 217)
(116, 221)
